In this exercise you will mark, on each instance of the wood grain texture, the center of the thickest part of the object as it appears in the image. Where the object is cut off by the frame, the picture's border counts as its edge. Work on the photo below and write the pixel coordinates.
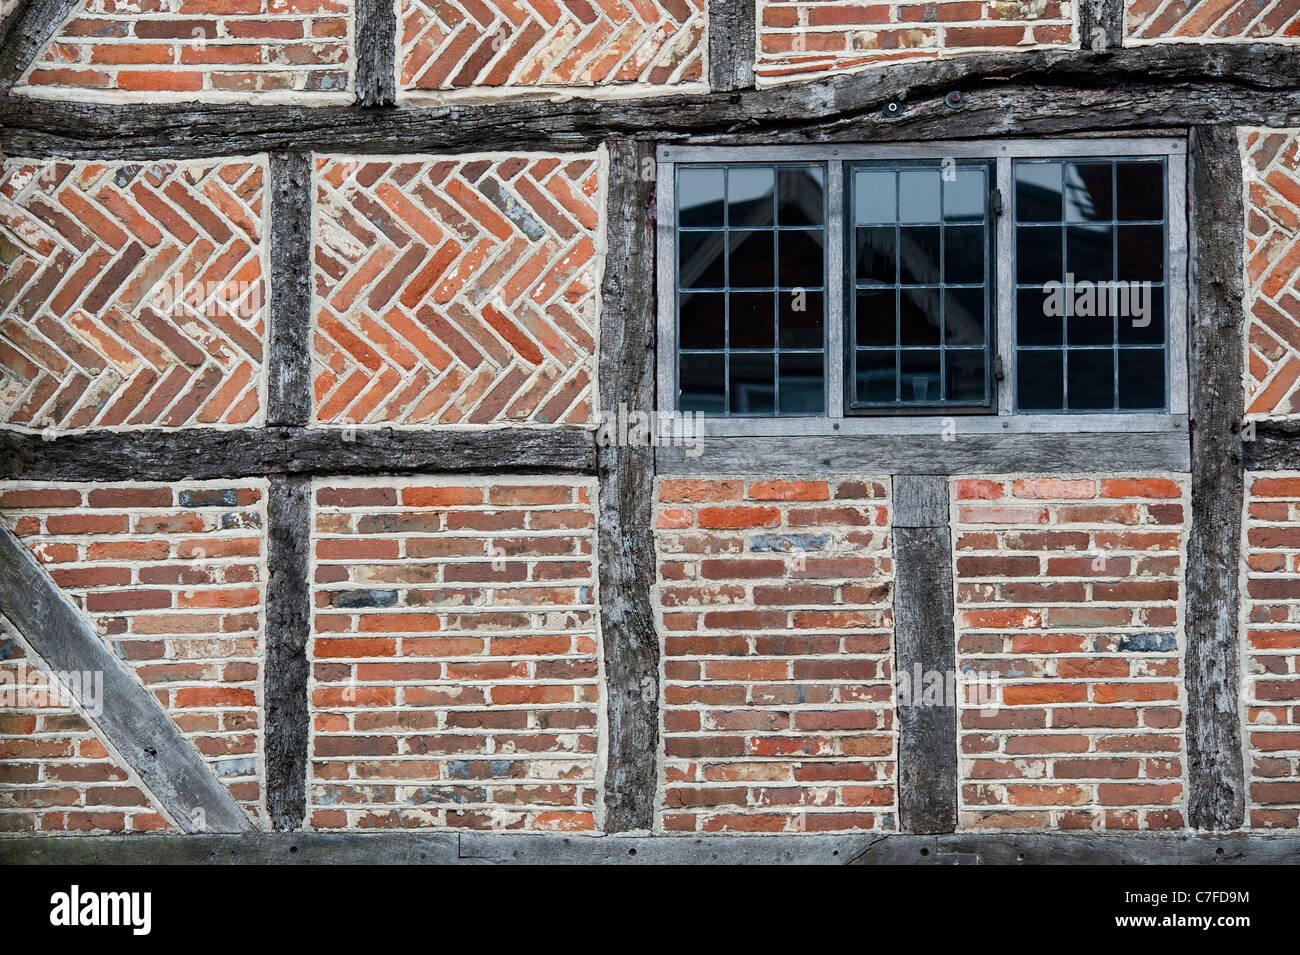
(1273, 446)
(198, 453)
(376, 49)
(1036, 93)
(732, 43)
(23, 34)
(1101, 24)
(626, 547)
(288, 626)
(130, 717)
(1216, 796)
(925, 644)
(289, 385)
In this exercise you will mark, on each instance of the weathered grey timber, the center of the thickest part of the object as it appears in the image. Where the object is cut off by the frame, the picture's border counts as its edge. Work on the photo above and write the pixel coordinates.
(731, 44)
(288, 624)
(24, 32)
(136, 726)
(929, 454)
(197, 453)
(1216, 794)
(1272, 446)
(288, 387)
(447, 848)
(924, 644)
(626, 550)
(376, 49)
(1033, 93)
(1101, 24)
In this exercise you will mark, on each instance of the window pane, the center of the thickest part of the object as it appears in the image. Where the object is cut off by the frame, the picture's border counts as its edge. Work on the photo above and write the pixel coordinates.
(918, 248)
(918, 375)
(1090, 379)
(803, 389)
(1141, 378)
(1040, 380)
(1142, 316)
(750, 263)
(965, 374)
(877, 376)
(1038, 192)
(875, 197)
(1088, 194)
(801, 319)
(963, 255)
(919, 316)
(918, 195)
(752, 382)
(876, 255)
(702, 320)
(699, 197)
(702, 379)
(963, 316)
(1039, 317)
(964, 196)
(1140, 191)
(803, 258)
(753, 320)
(800, 196)
(1141, 253)
(701, 258)
(1038, 255)
(875, 318)
(1089, 253)
(750, 197)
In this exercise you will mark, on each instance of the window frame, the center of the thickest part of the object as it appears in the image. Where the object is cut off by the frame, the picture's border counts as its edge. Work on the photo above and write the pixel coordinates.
(839, 418)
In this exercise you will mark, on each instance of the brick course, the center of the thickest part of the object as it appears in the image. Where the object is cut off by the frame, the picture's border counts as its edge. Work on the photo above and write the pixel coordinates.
(457, 49)
(134, 294)
(457, 290)
(173, 577)
(1071, 590)
(1271, 159)
(1270, 692)
(805, 38)
(774, 603)
(208, 50)
(455, 654)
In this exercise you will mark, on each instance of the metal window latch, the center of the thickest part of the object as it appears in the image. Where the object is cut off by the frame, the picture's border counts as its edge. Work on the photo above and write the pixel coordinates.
(998, 372)
(996, 199)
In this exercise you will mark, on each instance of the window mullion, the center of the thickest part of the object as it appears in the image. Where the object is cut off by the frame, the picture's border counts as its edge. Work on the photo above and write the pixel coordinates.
(835, 289)
(1004, 291)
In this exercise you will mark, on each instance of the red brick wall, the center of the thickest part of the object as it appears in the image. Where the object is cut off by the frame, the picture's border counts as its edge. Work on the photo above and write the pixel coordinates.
(452, 50)
(802, 38)
(1211, 21)
(1271, 652)
(1271, 159)
(775, 609)
(133, 295)
(457, 290)
(173, 578)
(455, 654)
(1071, 590)
(212, 50)
(56, 774)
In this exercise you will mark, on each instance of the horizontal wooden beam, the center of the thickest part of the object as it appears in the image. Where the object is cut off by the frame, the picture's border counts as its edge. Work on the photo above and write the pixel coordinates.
(129, 716)
(1272, 445)
(1032, 93)
(157, 455)
(450, 848)
(929, 454)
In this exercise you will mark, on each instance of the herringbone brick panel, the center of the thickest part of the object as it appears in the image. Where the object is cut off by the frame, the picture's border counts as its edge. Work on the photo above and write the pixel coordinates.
(502, 45)
(1272, 272)
(173, 579)
(458, 291)
(798, 39)
(210, 50)
(1209, 21)
(133, 295)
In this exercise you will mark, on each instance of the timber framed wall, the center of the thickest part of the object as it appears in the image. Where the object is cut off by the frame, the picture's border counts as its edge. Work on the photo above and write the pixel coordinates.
(350, 554)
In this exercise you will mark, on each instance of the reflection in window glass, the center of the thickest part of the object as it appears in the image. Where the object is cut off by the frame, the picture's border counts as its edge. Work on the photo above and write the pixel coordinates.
(751, 296)
(919, 310)
(1090, 274)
